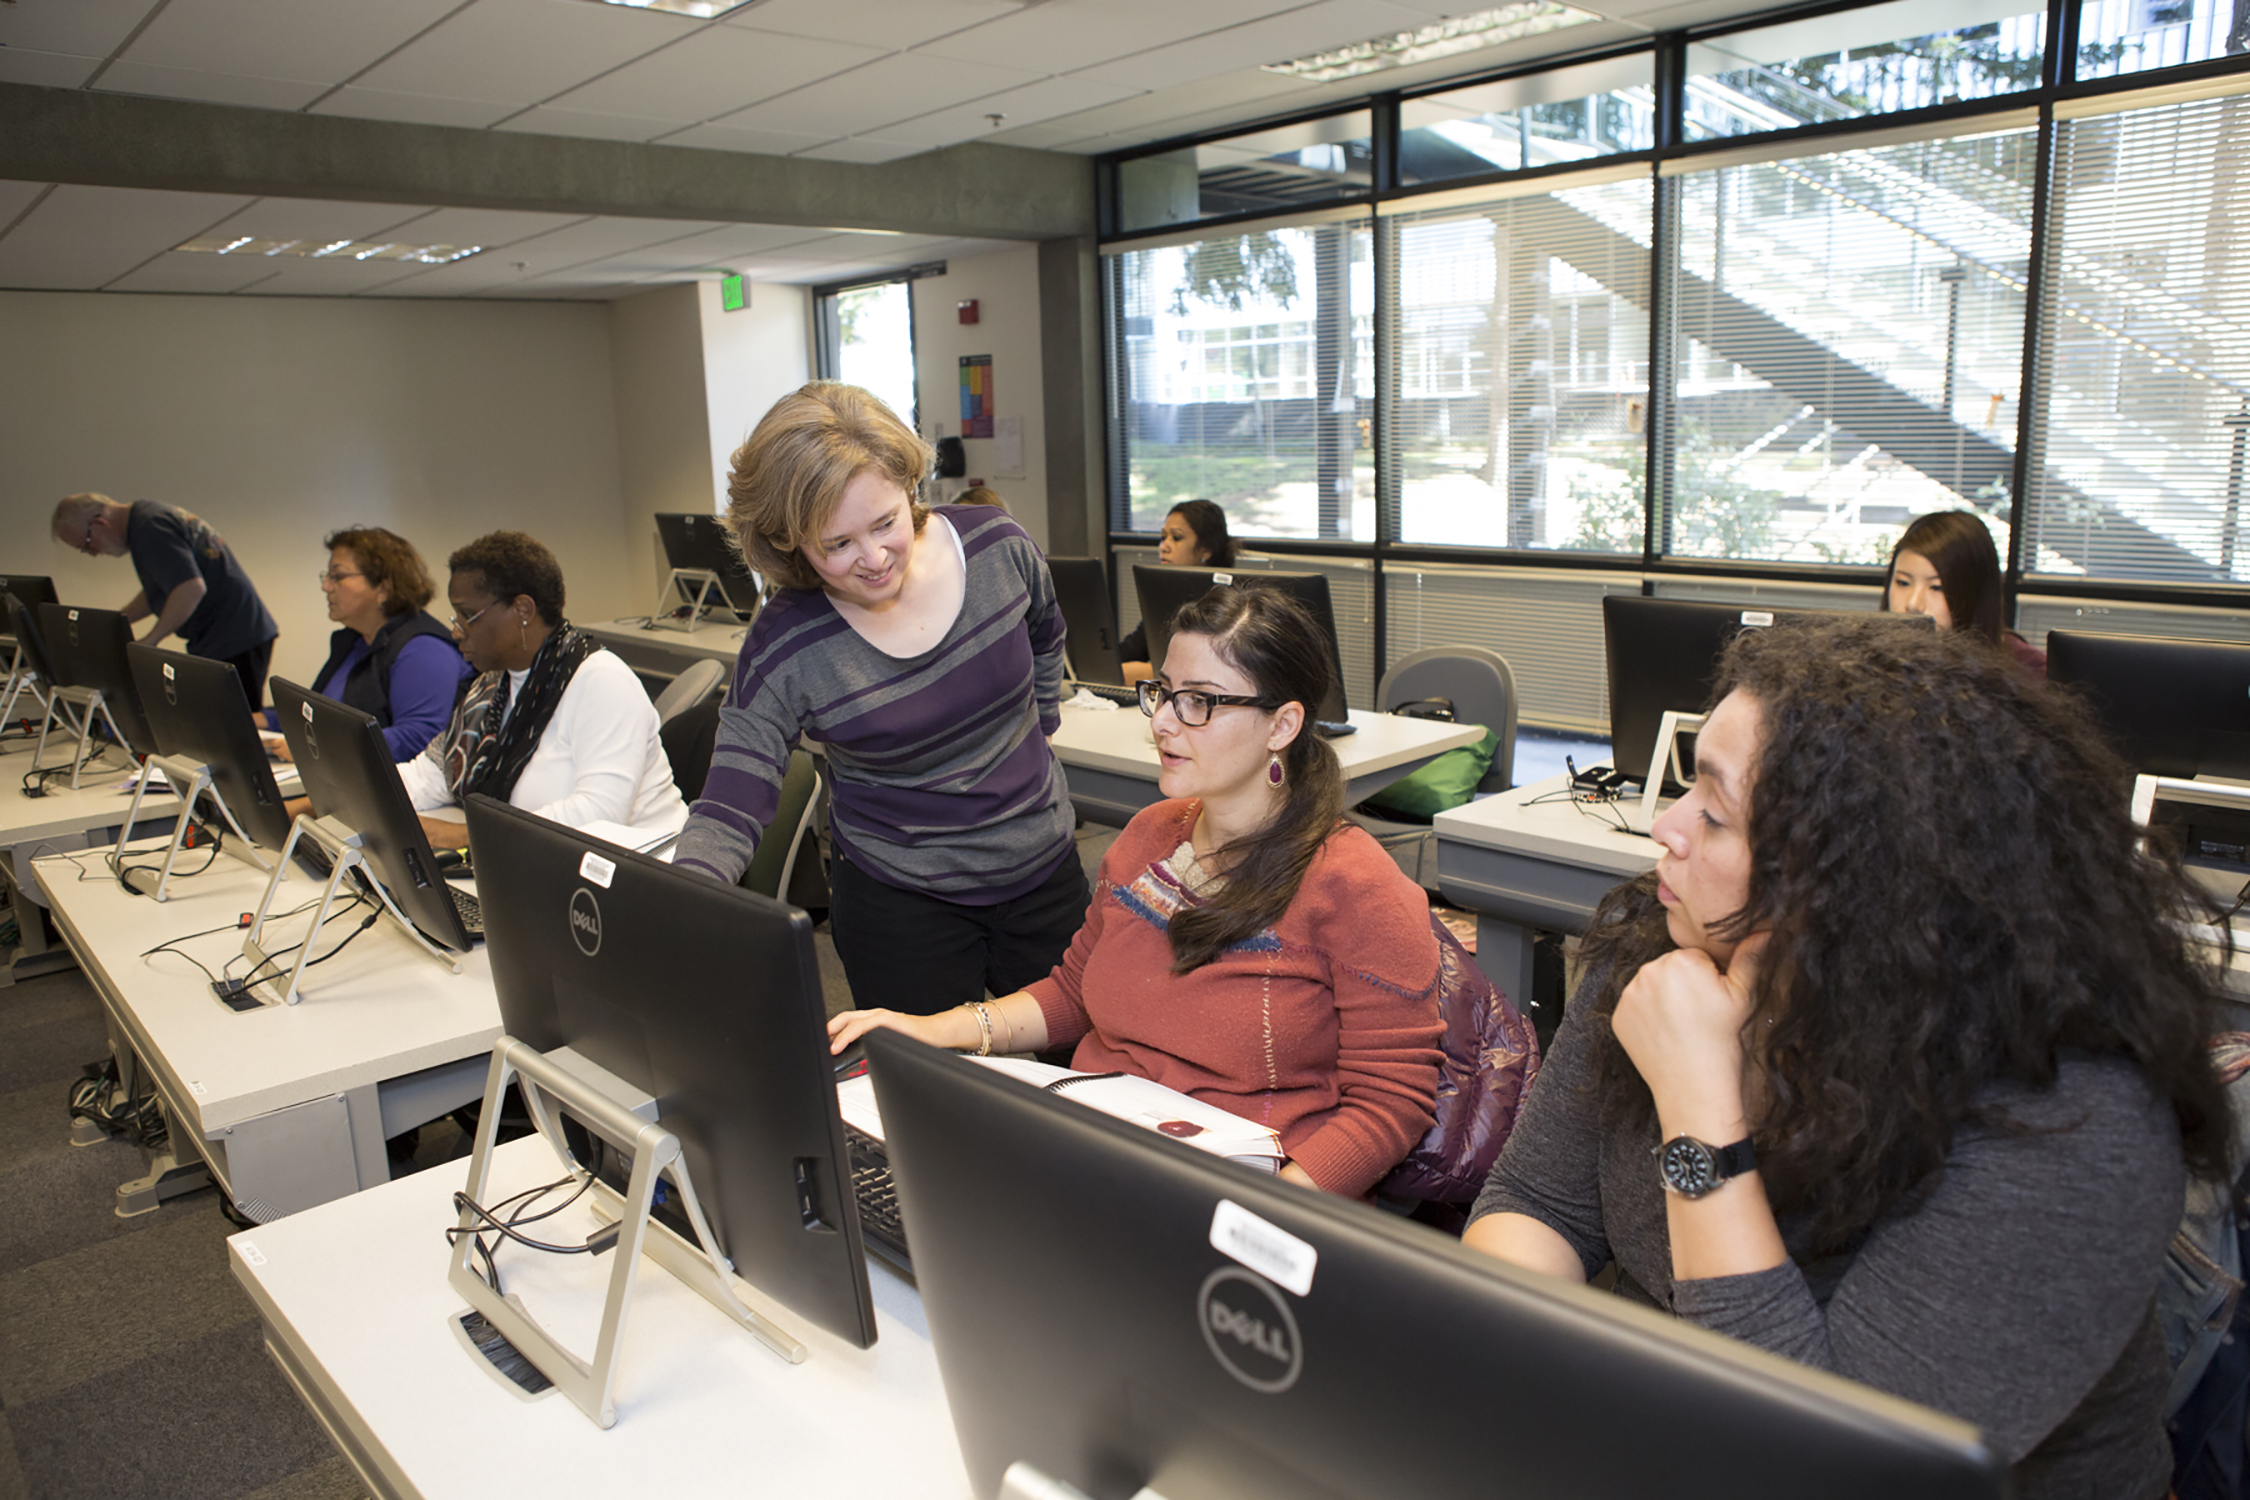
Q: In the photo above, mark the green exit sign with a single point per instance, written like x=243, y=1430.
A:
x=734, y=293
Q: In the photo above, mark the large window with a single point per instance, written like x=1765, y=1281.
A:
x=1244, y=373
x=2145, y=375
x=1520, y=370
x=866, y=338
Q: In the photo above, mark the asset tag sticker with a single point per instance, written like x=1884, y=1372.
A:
x=195, y=1089
x=1757, y=618
x=1268, y=1249
x=251, y=1254
x=597, y=869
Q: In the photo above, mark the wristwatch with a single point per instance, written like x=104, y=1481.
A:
x=1691, y=1168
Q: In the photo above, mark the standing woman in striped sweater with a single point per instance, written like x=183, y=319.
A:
x=923, y=649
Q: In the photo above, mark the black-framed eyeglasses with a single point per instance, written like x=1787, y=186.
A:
x=87, y=546
x=1190, y=706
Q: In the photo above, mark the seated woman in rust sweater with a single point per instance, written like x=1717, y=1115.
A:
x=1245, y=945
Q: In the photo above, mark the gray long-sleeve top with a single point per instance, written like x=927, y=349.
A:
x=2018, y=1296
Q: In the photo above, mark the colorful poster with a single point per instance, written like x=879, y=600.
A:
x=976, y=395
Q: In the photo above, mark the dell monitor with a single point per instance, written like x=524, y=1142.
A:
x=700, y=543
x=1164, y=590
x=2171, y=708
x=196, y=708
x=1664, y=656
x=1116, y=1310
x=707, y=997
x=349, y=776
x=86, y=647
x=33, y=589
x=1082, y=589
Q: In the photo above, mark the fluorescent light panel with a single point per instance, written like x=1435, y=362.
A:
x=702, y=10
x=1448, y=38
x=428, y=255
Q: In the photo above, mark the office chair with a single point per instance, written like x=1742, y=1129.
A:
x=688, y=689
x=1482, y=689
x=775, y=863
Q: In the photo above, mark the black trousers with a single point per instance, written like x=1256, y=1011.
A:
x=906, y=951
x=252, y=666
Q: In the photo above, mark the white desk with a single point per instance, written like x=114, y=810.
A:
x=664, y=652
x=60, y=822
x=288, y=1105
x=1522, y=864
x=1110, y=756
x=356, y=1310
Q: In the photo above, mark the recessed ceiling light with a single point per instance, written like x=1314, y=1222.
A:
x=428, y=255
x=1447, y=38
x=700, y=9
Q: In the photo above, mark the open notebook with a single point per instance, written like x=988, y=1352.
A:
x=1149, y=1105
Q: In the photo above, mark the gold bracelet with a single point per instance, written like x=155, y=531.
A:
x=1009, y=1045
x=984, y=1025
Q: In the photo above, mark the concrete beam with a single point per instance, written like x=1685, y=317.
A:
x=124, y=140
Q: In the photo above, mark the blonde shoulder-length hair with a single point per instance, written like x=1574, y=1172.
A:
x=787, y=480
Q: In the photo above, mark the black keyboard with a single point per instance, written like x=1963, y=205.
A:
x=879, y=1222
x=471, y=914
x=1123, y=697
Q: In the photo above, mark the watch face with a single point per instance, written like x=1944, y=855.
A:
x=1688, y=1166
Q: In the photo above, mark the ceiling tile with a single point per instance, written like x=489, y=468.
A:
x=413, y=109
x=1237, y=91
x=86, y=28
x=15, y=197
x=208, y=88
x=85, y=236
x=895, y=23
x=863, y=149
x=740, y=138
x=325, y=41
x=1062, y=36
x=590, y=240
x=717, y=247
x=489, y=227
x=53, y=70
x=210, y=275
x=1033, y=102
x=896, y=88
x=715, y=72
x=317, y=218
x=328, y=278
x=1332, y=23
x=546, y=119
x=481, y=53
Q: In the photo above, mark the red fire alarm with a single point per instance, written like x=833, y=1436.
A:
x=968, y=310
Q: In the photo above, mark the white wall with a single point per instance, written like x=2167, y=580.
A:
x=1006, y=287
x=751, y=359
x=280, y=419
x=663, y=437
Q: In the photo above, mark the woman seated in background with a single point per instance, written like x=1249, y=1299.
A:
x=1946, y=567
x=391, y=658
x=1896, y=1065
x=553, y=724
x=1195, y=536
x=1245, y=945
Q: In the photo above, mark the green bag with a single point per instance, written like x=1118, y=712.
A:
x=1448, y=781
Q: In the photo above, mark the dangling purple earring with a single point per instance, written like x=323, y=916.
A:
x=1273, y=772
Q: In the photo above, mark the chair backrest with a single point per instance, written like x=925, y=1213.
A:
x=689, y=739
x=688, y=689
x=770, y=867
x=1483, y=691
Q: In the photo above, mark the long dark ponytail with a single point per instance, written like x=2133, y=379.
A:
x=1270, y=638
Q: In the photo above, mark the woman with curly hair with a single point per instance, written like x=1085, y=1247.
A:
x=1896, y=1065
x=553, y=723
x=1946, y=567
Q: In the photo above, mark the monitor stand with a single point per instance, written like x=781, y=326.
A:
x=342, y=846
x=699, y=590
x=1664, y=762
x=90, y=702
x=626, y=1117
x=190, y=779
x=21, y=680
x=1025, y=1481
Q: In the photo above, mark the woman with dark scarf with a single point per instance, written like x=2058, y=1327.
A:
x=553, y=724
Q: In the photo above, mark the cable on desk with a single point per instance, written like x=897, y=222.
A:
x=274, y=959
x=599, y=1241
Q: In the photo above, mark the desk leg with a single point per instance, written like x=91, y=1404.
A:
x=168, y=1175
x=1504, y=952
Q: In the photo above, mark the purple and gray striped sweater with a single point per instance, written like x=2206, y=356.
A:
x=944, y=783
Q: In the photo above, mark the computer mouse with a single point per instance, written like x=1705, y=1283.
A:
x=449, y=860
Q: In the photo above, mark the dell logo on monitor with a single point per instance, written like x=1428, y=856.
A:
x=585, y=922
x=1250, y=1330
